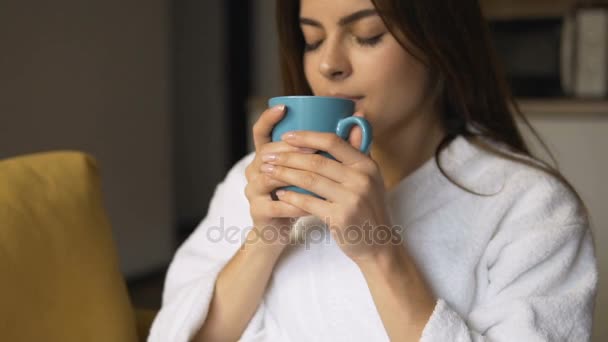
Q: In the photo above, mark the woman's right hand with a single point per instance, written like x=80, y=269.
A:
x=272, y=219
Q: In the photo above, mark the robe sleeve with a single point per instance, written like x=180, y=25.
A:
x=540, y=272
x=191, y=276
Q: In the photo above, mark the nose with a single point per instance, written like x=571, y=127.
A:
x=334, y=63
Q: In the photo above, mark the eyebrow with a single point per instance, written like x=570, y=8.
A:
x=344, y=20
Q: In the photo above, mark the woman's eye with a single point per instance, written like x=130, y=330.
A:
x=313, y=46
x=361, y=41
x=370, y=41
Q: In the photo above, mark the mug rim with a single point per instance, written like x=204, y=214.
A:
x=295, y=97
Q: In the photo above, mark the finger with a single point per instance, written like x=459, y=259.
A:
x=311, y=181
x=310, y=204
x=258, y=185
x=262, y=128
x=281, y=146
x=270, y=148
x=316, y=163
x=356, y=134
x=266, y=208
x=340, y=149
x=263, y=184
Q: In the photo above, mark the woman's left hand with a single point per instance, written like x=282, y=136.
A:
x=354, y=209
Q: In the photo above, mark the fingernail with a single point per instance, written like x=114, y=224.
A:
x=288, y=135
x=280, y=193
x=269, y=157
x=279, y=108
x=267, y=168
x=307, y=150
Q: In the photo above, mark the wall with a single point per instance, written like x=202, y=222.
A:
x=200, y=142
x=94, y=76
x=265, y=64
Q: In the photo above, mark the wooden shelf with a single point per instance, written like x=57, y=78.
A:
x=501, y=9
x=570, y=107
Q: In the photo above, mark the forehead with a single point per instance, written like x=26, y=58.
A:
x=332, y=8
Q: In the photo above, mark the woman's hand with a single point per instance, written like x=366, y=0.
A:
x=354, y=209
x=271, y=219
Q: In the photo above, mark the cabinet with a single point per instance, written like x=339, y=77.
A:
x=573, y=108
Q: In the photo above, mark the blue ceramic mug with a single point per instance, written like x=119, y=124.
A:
x=321, y=114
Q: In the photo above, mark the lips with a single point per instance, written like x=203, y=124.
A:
x=349, y=97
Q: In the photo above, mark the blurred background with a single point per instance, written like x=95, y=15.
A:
x=164, y=93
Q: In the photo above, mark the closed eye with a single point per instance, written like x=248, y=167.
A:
x=312, y=47
x=372, y=41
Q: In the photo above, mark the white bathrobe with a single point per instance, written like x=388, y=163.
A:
x=518, y=265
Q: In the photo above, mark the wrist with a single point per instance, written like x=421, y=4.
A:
x=394, y=273
x=387, y=260
x=271, y=245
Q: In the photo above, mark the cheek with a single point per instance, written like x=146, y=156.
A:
x=398, y=72
x=398, y=83
x=312, y=75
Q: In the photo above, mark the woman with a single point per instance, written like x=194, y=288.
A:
x=449, y=230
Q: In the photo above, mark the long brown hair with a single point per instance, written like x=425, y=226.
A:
x=452, y=39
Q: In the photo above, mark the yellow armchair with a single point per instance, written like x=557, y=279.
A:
x=59, y=274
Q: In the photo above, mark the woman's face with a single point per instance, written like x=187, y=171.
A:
x=350, y=53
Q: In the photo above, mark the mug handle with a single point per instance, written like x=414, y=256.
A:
x=345, y=125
